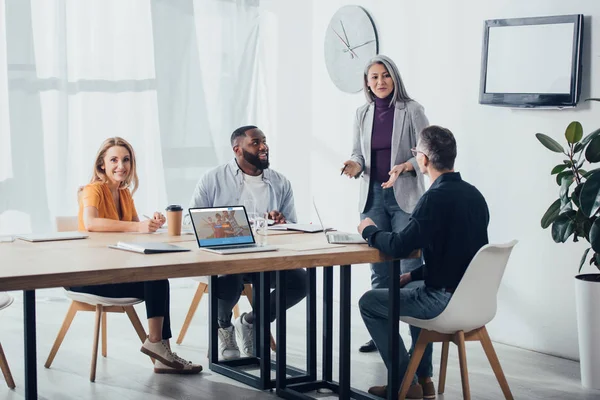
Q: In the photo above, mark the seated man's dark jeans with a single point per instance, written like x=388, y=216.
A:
x=230, y=288
x=416, y=301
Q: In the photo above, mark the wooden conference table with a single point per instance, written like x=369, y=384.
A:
x=30, y=266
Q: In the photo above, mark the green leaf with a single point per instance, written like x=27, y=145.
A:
x=574, y=132
x=576, y=193
x=550, y=214
x=595, y=235
x=564, y=174
x=589, y=198
x=549, y=143
x=587, y=139
x=587, y=174
x=585, y=253
x=592, y=152
x=582, y=172
x=558, y=168
x=566, y=182
x=583, y=225
x=563, y=226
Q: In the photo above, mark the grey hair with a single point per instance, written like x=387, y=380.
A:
x=399, y=93
x=439, y=145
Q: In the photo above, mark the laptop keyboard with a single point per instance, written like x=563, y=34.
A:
x=340, y=237
x=242, y=246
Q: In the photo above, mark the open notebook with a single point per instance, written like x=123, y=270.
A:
x=148, y=248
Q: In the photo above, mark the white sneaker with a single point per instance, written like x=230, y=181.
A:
x=245, y=333
x=228, y=347
x=166, y=361
x=188, y=367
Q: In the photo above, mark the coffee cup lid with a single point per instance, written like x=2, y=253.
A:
x=174, y=207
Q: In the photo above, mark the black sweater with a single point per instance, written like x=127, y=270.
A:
x=449, y=223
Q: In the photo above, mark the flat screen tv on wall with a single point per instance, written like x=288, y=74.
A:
x=532, y=62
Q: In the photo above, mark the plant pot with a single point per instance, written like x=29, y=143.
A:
x=587, y=295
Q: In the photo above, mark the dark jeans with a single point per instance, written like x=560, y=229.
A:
x=416, y=301
x=383, y=209
x=230, y=288
x=154, y=293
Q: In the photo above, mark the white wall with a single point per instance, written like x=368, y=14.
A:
x=437, y=46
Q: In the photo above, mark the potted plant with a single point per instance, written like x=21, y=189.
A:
x=575, y=214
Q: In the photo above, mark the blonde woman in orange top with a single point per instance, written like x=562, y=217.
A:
x=106, y=205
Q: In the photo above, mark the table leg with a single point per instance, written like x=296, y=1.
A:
x=311, y=329
x=281, y=377
x=213, y=324
x=327, y=324
x=30, y=344
x=345, y=282
x=263, y=345
x=394, y=327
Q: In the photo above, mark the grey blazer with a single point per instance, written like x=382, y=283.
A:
x=409, y=121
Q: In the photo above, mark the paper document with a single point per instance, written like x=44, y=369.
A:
x=309, y=246
x=148, y=248
x=310, y=228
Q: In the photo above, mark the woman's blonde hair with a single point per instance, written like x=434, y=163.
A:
x=99, y=174
x=400, y=93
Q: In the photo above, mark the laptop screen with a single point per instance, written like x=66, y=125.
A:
x=221, y=226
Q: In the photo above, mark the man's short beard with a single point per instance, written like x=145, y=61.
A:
x=255, y=160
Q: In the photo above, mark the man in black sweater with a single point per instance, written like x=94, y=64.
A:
x=450, y=225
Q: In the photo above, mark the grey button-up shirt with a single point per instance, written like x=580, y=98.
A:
x=222, y=187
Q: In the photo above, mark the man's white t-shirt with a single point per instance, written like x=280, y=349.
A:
x=257, y=190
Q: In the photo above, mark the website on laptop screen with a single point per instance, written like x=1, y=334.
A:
x=221, y=226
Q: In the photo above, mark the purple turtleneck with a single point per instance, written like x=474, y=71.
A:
x=381, y=139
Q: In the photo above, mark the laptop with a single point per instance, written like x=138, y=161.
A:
x=48, y=237
x=224, y=230
x=338, y=237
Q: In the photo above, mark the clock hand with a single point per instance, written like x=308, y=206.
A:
x=360, y=45
x=344, y=30
x=353, y=54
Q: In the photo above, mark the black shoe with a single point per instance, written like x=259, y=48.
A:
x=368, y=347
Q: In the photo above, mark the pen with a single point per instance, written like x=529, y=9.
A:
x=147, y=217
x=343, y=169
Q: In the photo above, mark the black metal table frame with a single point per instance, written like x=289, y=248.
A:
x=287, y=388
x=237, y=368
x=300, y=381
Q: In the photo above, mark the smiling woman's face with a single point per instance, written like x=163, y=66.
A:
x=117, y=164
x=380, y=81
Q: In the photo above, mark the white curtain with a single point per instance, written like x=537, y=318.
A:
x=172, y=77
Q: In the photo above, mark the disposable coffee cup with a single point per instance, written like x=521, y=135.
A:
x=174, y=215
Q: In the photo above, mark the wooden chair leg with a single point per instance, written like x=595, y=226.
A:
x=137, y=325
x=488, y=347
x=6, y=370
x=443, y=367
x=462, y=357
x=236, y=311
x=415, y=359
x=135, y=321
x=202, y=288
x=61, y=333
x=96, y=340
x=104, y=343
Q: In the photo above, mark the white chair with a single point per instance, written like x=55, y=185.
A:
x=5, y=301
x=203, y=288
x=98, y=304
x=471, y=307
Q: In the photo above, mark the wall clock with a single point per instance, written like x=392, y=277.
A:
x=350, y=41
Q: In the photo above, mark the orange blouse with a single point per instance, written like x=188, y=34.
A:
x=98, y=195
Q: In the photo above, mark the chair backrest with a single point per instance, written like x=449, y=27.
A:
x=67, y=224
x=473, y=303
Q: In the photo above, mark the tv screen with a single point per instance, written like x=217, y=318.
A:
x=532, y=62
